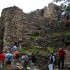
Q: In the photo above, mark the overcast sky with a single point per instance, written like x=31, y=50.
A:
x=26, y=5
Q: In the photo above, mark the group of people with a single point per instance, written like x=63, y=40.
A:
x=60, y=57
x=28, y=60
x=5, y=59
x=7, y=56
x=11, y=56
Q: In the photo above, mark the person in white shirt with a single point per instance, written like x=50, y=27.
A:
x=63, y=14
x=50, y=66
x=14, y=48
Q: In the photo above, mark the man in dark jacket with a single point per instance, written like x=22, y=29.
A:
x=33, y=60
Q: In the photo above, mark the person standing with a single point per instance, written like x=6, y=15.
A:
x=33, y=60
x=2, y=59
x=50, y=66
x=16, y=54
x=9, y=58
x=26, y=62
x=63, y=14
x=52, y=57
x=23, y=57
x=15, y=57
x=61, y=56
x=14, y=48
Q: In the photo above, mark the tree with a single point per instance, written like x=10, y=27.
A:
x=68, y=8
x=65, y=5
x=61, y=0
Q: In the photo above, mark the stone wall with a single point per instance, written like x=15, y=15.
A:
x=30, y=29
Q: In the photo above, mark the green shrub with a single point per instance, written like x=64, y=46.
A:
x=67, y=33
x=51, y=49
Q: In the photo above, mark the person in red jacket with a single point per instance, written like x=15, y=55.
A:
x=16, y=54
x=61, y=54
x=2, y=58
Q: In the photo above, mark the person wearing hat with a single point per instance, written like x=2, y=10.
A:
x=61, y=55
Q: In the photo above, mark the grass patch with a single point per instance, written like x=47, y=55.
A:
x=55, y=34
x=67, y=33
x=51, y=49
x=37, y=50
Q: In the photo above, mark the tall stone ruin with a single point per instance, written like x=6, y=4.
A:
x=12, y=17
x=51, y=11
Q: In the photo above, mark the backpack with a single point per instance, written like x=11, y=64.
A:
x=52, y=58
x=23, y=57
x=9, y=58
x=16, y=54
x=26, y=58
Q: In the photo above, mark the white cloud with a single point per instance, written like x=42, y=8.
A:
x=26, y=5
